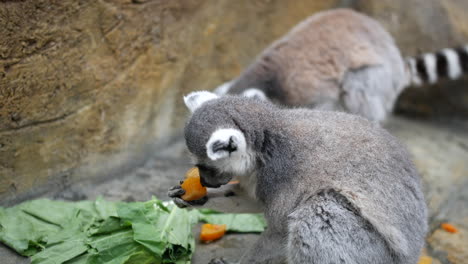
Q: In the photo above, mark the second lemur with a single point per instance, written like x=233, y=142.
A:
x=341, y=60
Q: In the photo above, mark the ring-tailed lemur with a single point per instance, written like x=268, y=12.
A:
x=336, y=188
x=341, y=60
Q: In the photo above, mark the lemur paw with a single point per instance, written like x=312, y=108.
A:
x=176, y=192
x=218, y=261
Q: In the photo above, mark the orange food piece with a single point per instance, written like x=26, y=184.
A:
x=425, y=260
x=211, y=232
x=192, y=186
x=449, y=228
x=193, y=173
x=234, y=182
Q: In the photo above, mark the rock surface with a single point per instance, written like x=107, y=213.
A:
x=88, y=88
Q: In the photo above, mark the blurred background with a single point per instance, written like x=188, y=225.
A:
x=91, y=93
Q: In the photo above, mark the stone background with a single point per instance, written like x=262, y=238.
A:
x=89, y=88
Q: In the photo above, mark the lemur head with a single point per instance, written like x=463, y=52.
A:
x=221, y=135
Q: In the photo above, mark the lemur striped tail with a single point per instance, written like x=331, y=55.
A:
x=430, y=67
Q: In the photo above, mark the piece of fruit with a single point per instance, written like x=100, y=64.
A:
x=193, y=173
x=449, y=228
x=211, y=232
x=425, y=260
x=192, y=186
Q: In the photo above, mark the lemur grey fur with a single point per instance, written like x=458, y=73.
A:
x=336, y=188
x=341, y=60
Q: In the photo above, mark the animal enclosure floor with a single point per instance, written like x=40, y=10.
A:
x=440, y=152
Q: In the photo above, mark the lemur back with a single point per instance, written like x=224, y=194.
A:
x=341, y=60
x=336, y=188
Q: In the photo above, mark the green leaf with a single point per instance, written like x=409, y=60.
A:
x=81, y=259
x=105, y=209
x=61, y=252
x=148, y=236
x=105, y=242
x=243, y=223
x=109, y=225
x=92, y=232
x=24, y=233
x=164, y=231
x=55, y=212
x=178, y=227
x=118, y=248
x=142, y=256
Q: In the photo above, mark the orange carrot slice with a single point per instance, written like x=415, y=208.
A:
x=449, y=228
x=192, y=173
x=192, y=186
x=425, y=260
x=211, y=232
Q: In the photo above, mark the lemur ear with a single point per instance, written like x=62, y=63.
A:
x=224, y=142
x=255, y=93
x=223, y=88
x=195, y=99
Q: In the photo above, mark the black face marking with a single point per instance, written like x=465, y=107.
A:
x=421, y=69
x=442, y=64
x=208, y=176
x=463, y=58
x=230, y=146
x=212, y=177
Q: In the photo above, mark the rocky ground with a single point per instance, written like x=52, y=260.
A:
x=440, y=152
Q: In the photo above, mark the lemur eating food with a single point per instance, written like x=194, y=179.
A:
x=341, y=60
x=335, y=187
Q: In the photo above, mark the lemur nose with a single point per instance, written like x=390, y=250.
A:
x=205, y=184
x=202, y=181
x=229, y=146
x=232, y=146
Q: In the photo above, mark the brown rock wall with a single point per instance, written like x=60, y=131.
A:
x=87, y=88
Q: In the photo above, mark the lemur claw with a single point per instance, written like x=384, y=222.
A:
x=176, y=191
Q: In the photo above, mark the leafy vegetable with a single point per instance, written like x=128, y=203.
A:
x=92, y=232
x=61, y=252
x=242, y=223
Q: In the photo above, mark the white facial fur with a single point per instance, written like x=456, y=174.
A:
x=239, y=161
x=255, y=93
x=195, y=99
